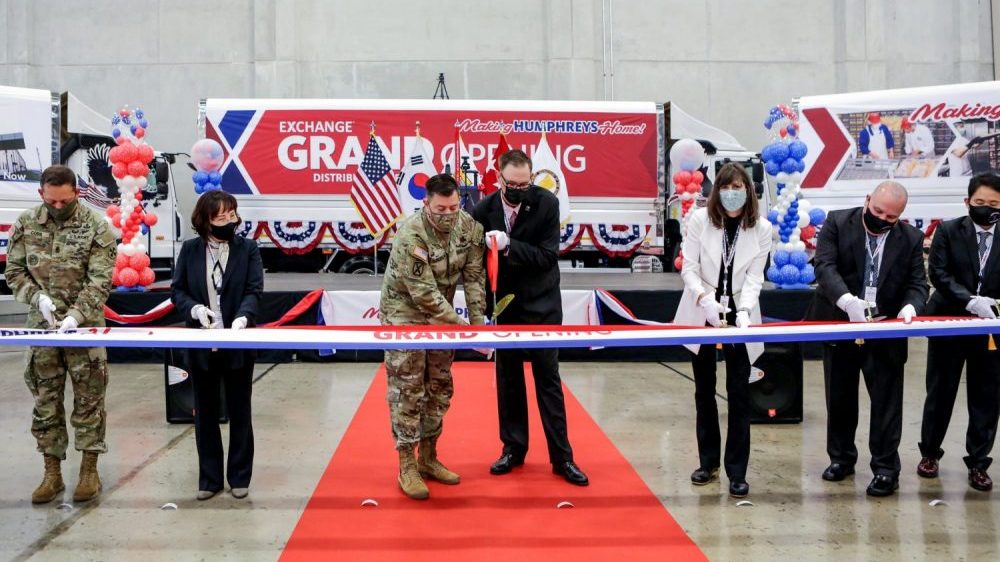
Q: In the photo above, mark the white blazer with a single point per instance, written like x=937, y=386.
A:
x=702, y=248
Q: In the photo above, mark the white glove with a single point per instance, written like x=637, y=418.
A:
x=978, y=305
x=203, y=314
x=68, y=323
x=907, y=313
x=501, y=238
x=239, y=323
x=742, y=319
x=855, y=308
x=46, y=307
x=712, y=310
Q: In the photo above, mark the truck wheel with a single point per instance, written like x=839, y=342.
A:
x=363, y=265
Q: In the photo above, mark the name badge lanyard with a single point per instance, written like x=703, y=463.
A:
x=871, y=285
x=728, y=255
x=982, y=270
x=217, y=284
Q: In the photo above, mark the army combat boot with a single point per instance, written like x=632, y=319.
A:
x=430, y=466
x=52, y=482
x=409, y=479
x=90, y=483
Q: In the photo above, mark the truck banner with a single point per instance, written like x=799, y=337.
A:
x=932, y=137
x=312, y=147
x=26, y=142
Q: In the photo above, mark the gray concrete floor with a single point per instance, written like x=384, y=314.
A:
x=302, y=410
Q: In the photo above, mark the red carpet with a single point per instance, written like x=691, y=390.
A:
x=510, y=517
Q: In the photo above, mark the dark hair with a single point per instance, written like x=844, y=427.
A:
x=57, y=175
x=514, y=157
x=441, y=184
x=989, y=180
x=727, y=174
x=208, y=206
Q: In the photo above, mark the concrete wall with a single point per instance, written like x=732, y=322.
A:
x=724, y=61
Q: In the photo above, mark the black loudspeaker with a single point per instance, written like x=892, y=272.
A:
x=776, y=397
x=179, y=390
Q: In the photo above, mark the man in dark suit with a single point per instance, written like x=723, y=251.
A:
x=523, y=221
x=965, y=269
x=868, y=265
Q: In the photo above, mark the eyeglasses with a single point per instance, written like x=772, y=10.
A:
x=510, y=185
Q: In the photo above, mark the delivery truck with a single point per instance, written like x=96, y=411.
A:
x=39, y=128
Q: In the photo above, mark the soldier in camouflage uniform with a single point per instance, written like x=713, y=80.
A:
x=432, y=250
x=60, y=260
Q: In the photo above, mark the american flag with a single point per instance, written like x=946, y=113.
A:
x=374, y=192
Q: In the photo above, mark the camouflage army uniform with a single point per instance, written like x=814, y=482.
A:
x=72, y=263
x=419, y=288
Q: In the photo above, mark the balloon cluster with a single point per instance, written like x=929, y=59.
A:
x=207, y=156
x=130, y=161
x=785, y=118
x=686, y=156
x=793, y=219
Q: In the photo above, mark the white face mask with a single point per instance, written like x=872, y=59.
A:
x=733, y=199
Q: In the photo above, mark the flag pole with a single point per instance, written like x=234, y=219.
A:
x=375, y=236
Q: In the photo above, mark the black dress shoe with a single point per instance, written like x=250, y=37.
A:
x=883, y=485
x=703, y=476
x=837, y=472
x=505, y=463
x=571, y=473
x=739, y=488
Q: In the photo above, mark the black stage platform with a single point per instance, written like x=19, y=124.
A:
x=650, y=296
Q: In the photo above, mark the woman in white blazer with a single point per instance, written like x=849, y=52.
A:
x=725, y=250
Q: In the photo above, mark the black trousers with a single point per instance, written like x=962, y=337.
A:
x=945, y=359
x=237, y=383
x=738, y=391
x=881, y=362
x=512, y=401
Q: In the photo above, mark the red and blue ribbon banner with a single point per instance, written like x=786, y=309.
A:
x=354, y=238
x=489, y=337
x=250, y=229
x=296, y=237
x=618, y=240
x=570, y=237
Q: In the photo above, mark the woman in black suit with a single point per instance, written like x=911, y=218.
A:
x=218, y=280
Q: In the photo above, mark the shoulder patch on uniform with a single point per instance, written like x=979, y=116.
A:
x=418, y=269
x=420, y=253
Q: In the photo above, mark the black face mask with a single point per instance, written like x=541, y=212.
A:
x=984, y=215
x=875, y=224
x=225, y=232
x=515, y=196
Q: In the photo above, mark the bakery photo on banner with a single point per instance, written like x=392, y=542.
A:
x=930, y=137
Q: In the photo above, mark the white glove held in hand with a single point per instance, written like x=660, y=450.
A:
x=856, y=309
x=239, y=323
x=501, y=238
x=712, y=310
x=203, y=314
x=68, y=323
x=907, y=313
x=46, y=307
x=742, y=319
x=978, y=305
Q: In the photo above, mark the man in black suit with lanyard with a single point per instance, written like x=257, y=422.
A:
x=868, y=266
x=965, y=270
x=523, y=221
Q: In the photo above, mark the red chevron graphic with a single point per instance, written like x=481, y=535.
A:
x=835, y=145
